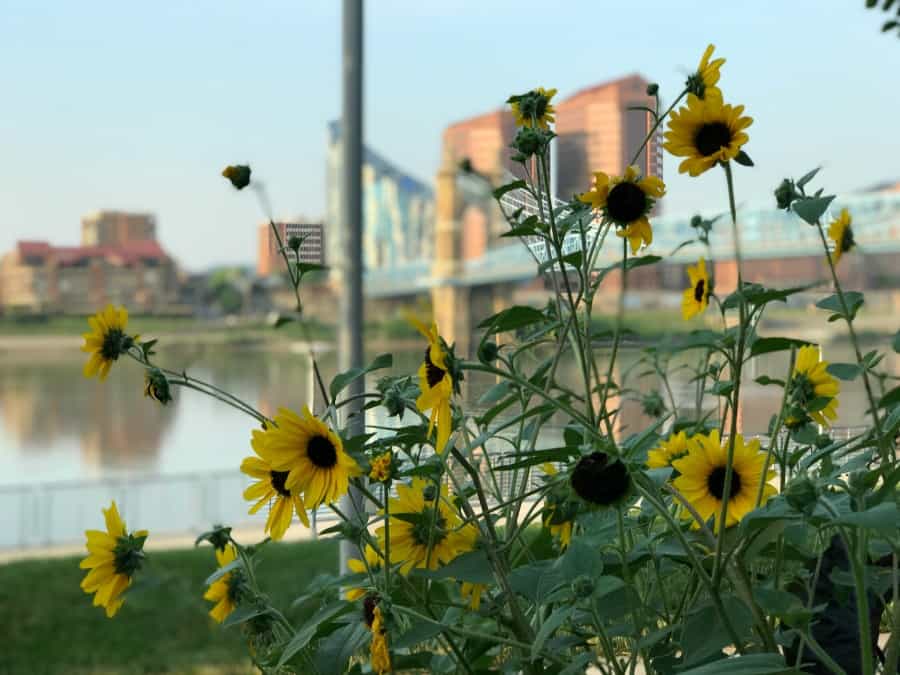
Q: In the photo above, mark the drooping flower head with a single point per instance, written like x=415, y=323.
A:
x=705, y=132
x=226, y=590
x=533, y=109
x=627, y=201
x=372, y=565
x=113, y=559
x=841, y=234
x=310, y=452
x=379, y=654
x=601, y=479
x=695, y=299
x=438, y=380
x=238, y=175
x=674, y=447
x=703, y=472
x=426, y=530
x=107, y=340
x=271, y=489
x=156, y=386
x=813, y=391
x=703, y=81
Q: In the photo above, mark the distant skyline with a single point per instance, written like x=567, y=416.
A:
x=139, y=107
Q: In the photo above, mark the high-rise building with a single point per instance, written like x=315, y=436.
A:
x=111, y=228
x=599, y=130
x=398, y=211
x=312, y=245
x=484, y=141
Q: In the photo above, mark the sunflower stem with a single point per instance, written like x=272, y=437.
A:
x=617, y=337
x=773, y=439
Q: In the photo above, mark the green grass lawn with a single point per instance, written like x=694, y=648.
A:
x=49, y=625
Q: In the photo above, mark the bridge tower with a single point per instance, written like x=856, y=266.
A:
x=449, y=298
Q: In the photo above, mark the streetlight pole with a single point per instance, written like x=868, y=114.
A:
x=351, y=345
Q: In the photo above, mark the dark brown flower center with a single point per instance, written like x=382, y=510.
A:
x=278, y=482
x=712, y=137
x=433, y=373
x=626, y=203
x=600, y=479
x=370, y=602
x=321, y=452
x=698, y=290
x=847, y=241
x=715, y=482
x=112, y=344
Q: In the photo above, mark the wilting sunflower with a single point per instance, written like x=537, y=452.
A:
x=702, y=479
x=271, y=489
x=379, y=654
x=706, y=131
x=674, y=447
x=626, y=201
x=813, y=390
x=371, y=565
x=107, y=340
x=534, y=108
x=472, y=593
x=226, y=590
x=841, y=234
x=696, y=298
x=436, y=383
x=113, y=559
x=601, y=479
x=412, y=534
x=704, y=80
x=310, y=452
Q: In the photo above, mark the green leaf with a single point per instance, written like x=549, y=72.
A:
x=723, y=388
x=832, y=303
x=308, y=631
x=472, y=567
x=517, y=316
x=808, y=177
x=281, y=320
x=750, y=664
x=743, y=159
x=774, y=344
x=536, y=581
x=811, y=209
x=242, y=614
x=341, y=380
x=304, y=267
x=496, y=393
x=883, y=518
x=335, y=651
x=890, y=398
x=844, y=371
x=551, y=623
x=509, y=187
x=420, y=632
x=222, y=571
x=896, y=342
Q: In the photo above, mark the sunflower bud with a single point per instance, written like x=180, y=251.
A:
x=156, y=386
x=239, y=175
x=802, y=494
x=487, y=351
x=786, y=194
x=653, y=405
x=652, y=89
x=583, y=586
x=219, y=537
x=294, y=243
x=530, y=141
x=429, y=493
x=601, y=479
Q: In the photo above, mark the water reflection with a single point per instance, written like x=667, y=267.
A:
x=56, y=425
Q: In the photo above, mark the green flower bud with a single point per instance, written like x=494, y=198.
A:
x=802, y=494
x=239, y=175
x=487, y=351
x=583, y=586
x=653, y=405
x=601, y=479
x=786, y=194
x=652, y=89
x=156, y=386
x=530, y=141
x=294, y=243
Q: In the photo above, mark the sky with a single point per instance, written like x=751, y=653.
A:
x=138, y=106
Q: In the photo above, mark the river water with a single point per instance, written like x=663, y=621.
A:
x=67, y=442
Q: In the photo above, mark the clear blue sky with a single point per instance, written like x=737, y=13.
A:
x=132, y=105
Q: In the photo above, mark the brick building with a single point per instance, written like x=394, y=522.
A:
x=110, y=228
x=268, y=257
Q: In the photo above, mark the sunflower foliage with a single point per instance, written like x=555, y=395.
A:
x=529, y=532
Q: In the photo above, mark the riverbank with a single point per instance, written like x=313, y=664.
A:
x=162, y=628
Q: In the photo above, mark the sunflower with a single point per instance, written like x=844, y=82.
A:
x=310, y=452
x=704, y=80
x=706, y=131
x=113, y=558
x=696, y=298
x=601, y=479
x=371, y=565
x=412, y=515
x=674, y=447
x=271, y=486
x=380, y=470
x=626, y=201
x=225, y=591
x=472, y=593
x=107, y=340
x=702, y=479
x=558, y=514
x=841, y=234
x=379, y=654
x=437, y=384
x=813, y=390
x=534, y=108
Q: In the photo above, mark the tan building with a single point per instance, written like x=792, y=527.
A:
x=312, y=247
x=483, y=140
x=598, y=132
x=38, y=277
x=109, y=228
